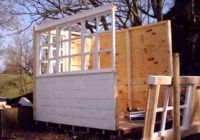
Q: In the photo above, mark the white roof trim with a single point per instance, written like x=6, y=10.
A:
x=88, y=13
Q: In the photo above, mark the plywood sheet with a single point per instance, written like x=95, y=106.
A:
x=151, y=55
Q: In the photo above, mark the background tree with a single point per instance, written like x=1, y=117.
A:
x=185, y=17
x=18, y=61
x=183, y=13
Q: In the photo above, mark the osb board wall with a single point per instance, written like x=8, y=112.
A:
x=151, y=55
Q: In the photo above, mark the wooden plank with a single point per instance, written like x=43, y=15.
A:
x=160, y=80
x=190, y=80
x=150, y=115
x=187, y=114
x=101, y=10
x=168, y=134
x=81, y=100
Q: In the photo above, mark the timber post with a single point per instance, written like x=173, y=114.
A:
x=176, y=96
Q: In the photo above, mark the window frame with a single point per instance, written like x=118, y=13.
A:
x=95, y=13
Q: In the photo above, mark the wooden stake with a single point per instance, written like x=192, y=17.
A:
x=176, y=96
x=1, y=123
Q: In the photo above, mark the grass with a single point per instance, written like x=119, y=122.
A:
x=10, y=85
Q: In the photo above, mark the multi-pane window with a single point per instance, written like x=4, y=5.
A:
x=77, y=45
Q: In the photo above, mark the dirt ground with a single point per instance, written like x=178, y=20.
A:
x=36, y=133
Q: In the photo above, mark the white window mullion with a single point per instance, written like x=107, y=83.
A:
x=48, y=64
x=69, y=48
x=82, y=45
x=57, y=49
x=38, y=53
x=97, y=45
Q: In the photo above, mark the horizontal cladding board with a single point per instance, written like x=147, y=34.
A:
x=106, y=114
x=80, y=121
x=82, y=100
x=86, y=103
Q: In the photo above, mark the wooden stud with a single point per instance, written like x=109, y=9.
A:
x=129, y=63
x=113, y=41
x=187, y=114
x=176, y=96
x=82, y=45
x=2, y=123
x=97, y=46
x=150, y=115
x=164, y=113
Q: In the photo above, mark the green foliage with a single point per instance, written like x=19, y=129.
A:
x=10, y=85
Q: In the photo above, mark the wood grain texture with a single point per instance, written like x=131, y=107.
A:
x=151, y=55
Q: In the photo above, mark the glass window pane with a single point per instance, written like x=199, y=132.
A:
x=89, y=62
x=64, y=48
x=53, y=52
x=76, y=46
x=43, y=39
x=105, y=59
x=52, y=66
x=64, y=33
x=44, y=53
x=89, y=44
x=105, y=41
x=52, y=36
x=75, y=63
x=43, y=67
x=76, y=27
x=90, y=26
x=63, y=65
x=105, y=23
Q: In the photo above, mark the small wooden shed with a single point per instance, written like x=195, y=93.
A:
x=89, y=77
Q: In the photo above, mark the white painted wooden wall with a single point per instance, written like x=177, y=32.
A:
x=82, y=100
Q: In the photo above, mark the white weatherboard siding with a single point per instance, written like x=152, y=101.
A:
x=82, y=100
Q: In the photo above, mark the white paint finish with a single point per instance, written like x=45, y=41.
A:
x=101, y=10
x=83, y=100
x=159, y=80
x=187, y=114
